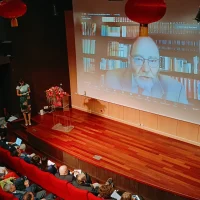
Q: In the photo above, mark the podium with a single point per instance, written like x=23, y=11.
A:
x=62, y=118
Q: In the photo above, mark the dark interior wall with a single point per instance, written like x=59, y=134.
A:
x=39, y=52
x=5, y=100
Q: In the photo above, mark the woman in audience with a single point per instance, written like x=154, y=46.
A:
x=105, y=191
x=36, y=160
x=47, y=168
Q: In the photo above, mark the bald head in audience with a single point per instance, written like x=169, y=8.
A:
x=63, y=170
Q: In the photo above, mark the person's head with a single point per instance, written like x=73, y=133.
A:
x=44, y=162
x=63, y=170
x=35, y=160
x=22, y=147
x=16, y=153
x=144, y=60
x=81, y=178
x=126, y=196
x=28, y=196
x=9, y=187
x=105, y=191
x=3, y=133
x=21, y=82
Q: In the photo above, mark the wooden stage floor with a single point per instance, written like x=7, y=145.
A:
x=143, y=162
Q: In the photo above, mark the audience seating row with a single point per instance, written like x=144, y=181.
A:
x=46, y=180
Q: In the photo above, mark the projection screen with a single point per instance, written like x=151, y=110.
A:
x=158, y=74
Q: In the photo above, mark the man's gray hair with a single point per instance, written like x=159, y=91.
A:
x=7, y=187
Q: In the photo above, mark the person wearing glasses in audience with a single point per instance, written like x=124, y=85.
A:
x=142, y=76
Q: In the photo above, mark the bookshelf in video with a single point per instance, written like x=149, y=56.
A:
x=107, y=39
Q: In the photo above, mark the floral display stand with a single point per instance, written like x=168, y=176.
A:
x=62, y=119
x=59, y=101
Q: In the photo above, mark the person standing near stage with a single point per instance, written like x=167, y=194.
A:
x=23, y=91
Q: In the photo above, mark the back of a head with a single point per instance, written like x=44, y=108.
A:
x=7, y=187
x=44, y=160
x=126, y=196
x=105, y=191
x=28, y=196
x=63, y=170
x=22, y=147
x=15, y=153
x=35, y=160
x=81, y=178
x=3, y=132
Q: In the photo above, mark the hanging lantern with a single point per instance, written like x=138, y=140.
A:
x=12, y=9
x=145, y=12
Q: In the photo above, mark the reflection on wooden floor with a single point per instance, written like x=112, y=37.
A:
x=142, y=159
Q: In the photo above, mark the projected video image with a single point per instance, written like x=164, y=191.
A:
x=114, y=64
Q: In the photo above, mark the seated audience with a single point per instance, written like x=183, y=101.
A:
x=21, y=185
x=17, y=153
x=45, y=166
x=64, y=174
x=5, y=173
x=82, y=183
x=105, y=191
x=30, y=196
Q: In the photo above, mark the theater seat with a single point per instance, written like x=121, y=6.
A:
x=75, y=193
x=3, y=154
x=43, y=179
x=28, y=170
x=13, y=163
x=92, y=197
x=59, y=187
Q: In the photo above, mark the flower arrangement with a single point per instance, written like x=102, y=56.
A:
x=55, y=95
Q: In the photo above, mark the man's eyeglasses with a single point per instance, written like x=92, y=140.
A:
x=139, y=61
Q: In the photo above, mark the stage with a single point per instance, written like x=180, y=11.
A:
x=139, y=161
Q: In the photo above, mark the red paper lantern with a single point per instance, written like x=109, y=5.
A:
x=12, y=9
x=145, y=12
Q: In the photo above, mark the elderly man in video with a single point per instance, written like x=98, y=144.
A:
x=143, y=77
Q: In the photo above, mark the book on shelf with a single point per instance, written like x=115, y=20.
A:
x=88, y=46
x=178, y=45
x=130, y=31
x=118, y=49
x=118, y=19
x=110, y=31
x=111, y=64
x=180, y=64
x=88, y=28
x=191, y=86
x=89, y=64
x=174, y=28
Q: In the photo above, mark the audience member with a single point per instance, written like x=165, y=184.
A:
x=18, y=191
x=36, y=160
x=127, y=196
x=30, y=196
x=24, y=156
x=64, y=174
x=47, y=168
x=105, y=191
